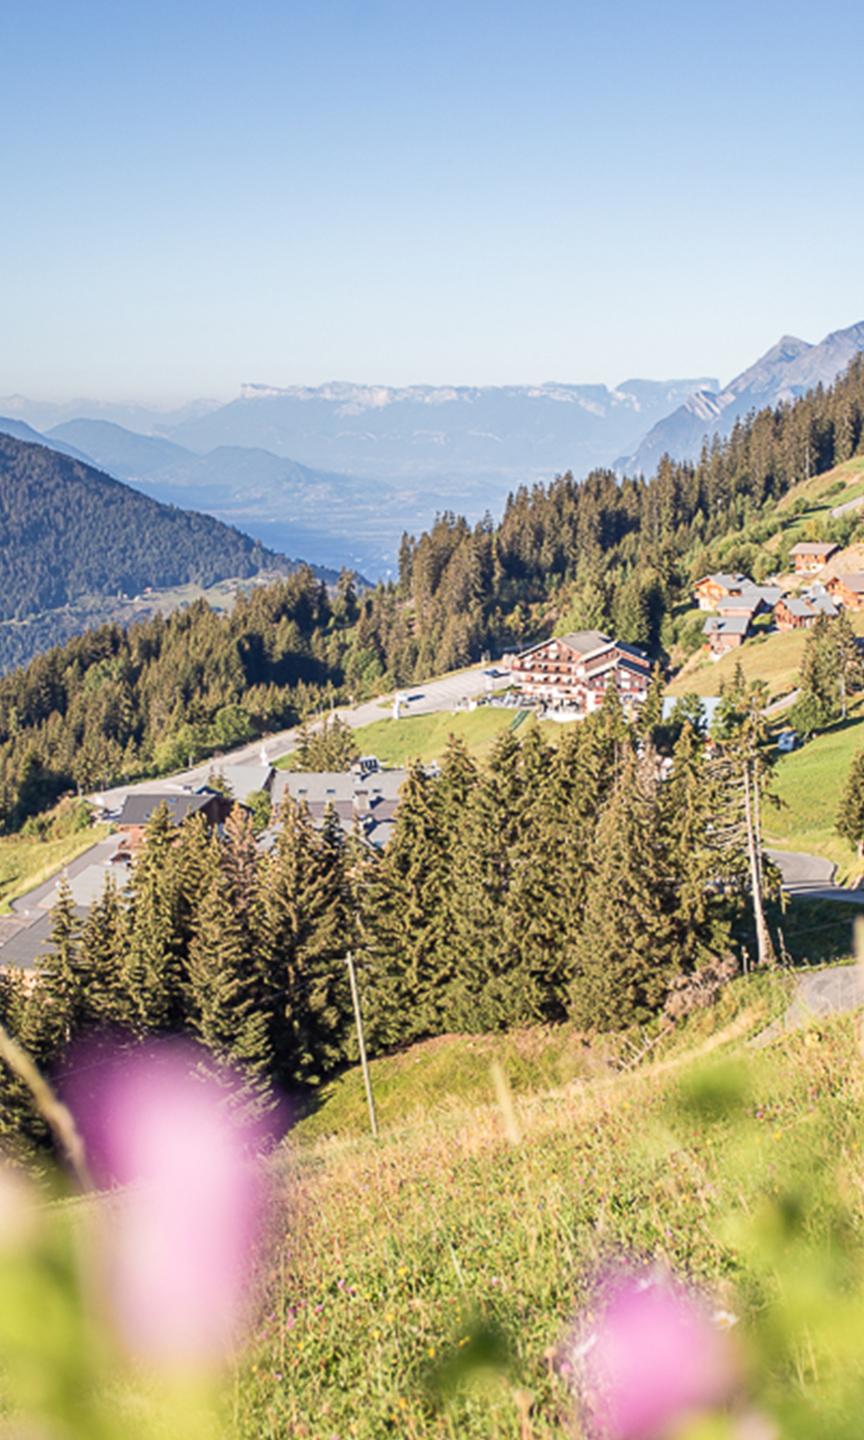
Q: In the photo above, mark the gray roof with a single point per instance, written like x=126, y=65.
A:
x=319, y=787
x=584, y=641
x=138, y=808
x=853, y=581
x=726, y=625
x=243, y=780
x=728, y=582
x=813, y=547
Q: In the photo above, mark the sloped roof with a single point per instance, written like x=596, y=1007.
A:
x=138, y=808
x=853, y=581
x=813, y=547
x=726, y=625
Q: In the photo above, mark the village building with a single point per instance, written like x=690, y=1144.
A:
x=801, y=612
x=752, y=600
x=573, y=672
x=847, y=589
x=360, y=797
x=713, y=590
x=139, y=809
x=810, y=556
x=724, y=633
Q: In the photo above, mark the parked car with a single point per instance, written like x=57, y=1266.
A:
x=787, y=741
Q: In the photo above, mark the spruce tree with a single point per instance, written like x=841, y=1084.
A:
x=850, y=817
x=407, y=959
x=155, y=974
x=301, y=947
x=625, y=956
x=225, y=1001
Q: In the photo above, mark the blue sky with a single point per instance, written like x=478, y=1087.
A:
x=289, y=191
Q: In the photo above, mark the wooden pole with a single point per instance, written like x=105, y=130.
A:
x=361, y=1045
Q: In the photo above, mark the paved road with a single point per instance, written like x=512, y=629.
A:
x=784, y=703
x=812, y=878
x=422, y=699
x=824, y=992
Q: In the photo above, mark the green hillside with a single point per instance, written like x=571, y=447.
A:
x=484, y=1220
x=809, y=783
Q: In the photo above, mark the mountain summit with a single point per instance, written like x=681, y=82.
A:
x=789, y=369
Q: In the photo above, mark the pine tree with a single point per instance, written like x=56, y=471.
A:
x=62, y=974
x=225, y=1008
x=300, y=941
x=850, y=817
x=406, y=958
x=240, y=862
x=155, y=977
x=103, y=936
x=625, y=957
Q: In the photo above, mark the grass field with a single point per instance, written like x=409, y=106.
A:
x=424, y=737
x=401, y=1258
x=809, y=783
x=27, y=862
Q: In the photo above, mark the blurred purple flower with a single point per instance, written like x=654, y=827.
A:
x=651, y=1357
x=180, y=1242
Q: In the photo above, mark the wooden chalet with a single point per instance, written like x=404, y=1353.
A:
x=573, y=672
x=138, y=810
x=809, y=556
x=725, y=632
x=847, y=589
x=801, y=612
x=713, y=590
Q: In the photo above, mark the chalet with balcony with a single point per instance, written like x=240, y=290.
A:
x=810, y=556
x=139, y=808
x=713, y=590
x=573, y=672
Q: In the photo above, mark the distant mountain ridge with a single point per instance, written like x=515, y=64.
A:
x=492, y=436
x=789, y=369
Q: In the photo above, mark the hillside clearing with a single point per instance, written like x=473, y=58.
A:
x=809, y=783
x=397, y=1256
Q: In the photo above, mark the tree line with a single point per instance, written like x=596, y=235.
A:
x=575, y=882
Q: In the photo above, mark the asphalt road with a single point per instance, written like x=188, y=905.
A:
x=812, y=878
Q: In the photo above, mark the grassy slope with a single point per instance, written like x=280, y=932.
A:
x=424, y=737
x=389, y=1249
x=809, y=783
x=772, y=658
x=27, y=862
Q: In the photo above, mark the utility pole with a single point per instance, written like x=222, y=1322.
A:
x=361, y=1045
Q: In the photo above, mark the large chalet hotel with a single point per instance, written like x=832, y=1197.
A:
x=572, y=672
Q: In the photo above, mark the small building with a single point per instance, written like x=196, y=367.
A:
x=801, y=612
x=725, y=632
x=751, y=600
x=573, y=672
x=139, y=808
x=369, y=799
x=809, y=556
x=712, y=590
x=847, y=589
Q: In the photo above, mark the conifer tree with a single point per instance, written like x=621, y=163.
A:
x=155, y=976
x=240, y=862
x=225, y=1008
x=625, y=956
x=103, y=937
x=407, y=961
x=850, y=817
x=62, y=975
x=301, y=948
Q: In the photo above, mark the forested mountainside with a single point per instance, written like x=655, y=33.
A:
x=602, y=552
x=567, y=555
x=68, y=531
x=558, y=881
x=119, y=702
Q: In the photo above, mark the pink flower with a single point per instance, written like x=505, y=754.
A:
x=179, y=1242
x=652, y=1357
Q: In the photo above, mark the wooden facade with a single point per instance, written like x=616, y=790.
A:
x=847, y=589
x=573, y=672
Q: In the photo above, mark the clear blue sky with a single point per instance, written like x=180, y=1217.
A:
x=199, y=194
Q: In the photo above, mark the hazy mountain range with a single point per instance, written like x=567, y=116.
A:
x=336, y=472
x=789, y=369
